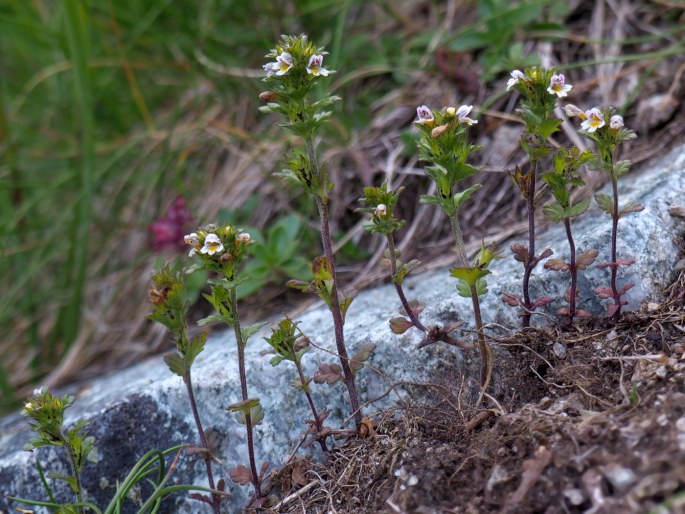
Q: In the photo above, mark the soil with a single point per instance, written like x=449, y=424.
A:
x=592, y=421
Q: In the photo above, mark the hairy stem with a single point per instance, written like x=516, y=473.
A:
x=462, y=259
x=486, y=358
x=528, y=269
x=243, y=390
x=203, y=438
x=573, y=269
x=317, y=419
x=614, y=235
x=71, y=460
x=400, y=292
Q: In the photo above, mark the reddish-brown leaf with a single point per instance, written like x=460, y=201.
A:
x=400, y=325
x=556, y=265
x=542, y=301
x=241, y=475
x=604, y=292
x=586, y=258
x=511, y=300
x=583, y=314
x=416, y=308
x=328, y=373
x=520, y=252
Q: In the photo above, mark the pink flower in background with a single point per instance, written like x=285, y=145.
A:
x=168, y=231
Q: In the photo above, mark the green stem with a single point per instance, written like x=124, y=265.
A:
x=486, y=358
x=243, y=388
x=71, y=460
x=462, y=259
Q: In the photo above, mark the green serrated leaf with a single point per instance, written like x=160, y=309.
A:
x=554, y=212
x=176, y=363
x=215, y=318
x=463, y=196
x=605, y=202
x=73, y=483
x=276, y=360
x=577, y=209
x=469, y=275
x=249, y=331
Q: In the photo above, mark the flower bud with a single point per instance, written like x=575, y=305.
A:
x=381, y=210
x=267, y=96
x=439, y=131
x=616, y=122
x=572, y=111
x=243, y=237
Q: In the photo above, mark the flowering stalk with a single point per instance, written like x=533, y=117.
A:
x=444, y=143
x=297, y=68
x=607, y=131
x=168, y=297
x=384, y=222
x=220, y=250
x=46, y=413
x=539, y=88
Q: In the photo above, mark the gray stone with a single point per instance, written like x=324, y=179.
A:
x=145, y=407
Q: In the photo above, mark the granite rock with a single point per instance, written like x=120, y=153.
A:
x=145, y=407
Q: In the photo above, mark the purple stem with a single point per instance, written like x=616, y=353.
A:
x=573, y=269
x=243, y=389
x=317, y=419
x=400, y=292
x=530, y=263
x=322, y=204
x=203, y=438
x=614, y=232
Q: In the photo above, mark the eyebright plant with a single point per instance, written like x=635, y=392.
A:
x=382, y=204
x=539, y=89
x=606, y=129
x=562, y=181
x=220, y=249
x=46, y=418
x=290, y=344
x=297, y=68
x=443, y=142
x=169, y=299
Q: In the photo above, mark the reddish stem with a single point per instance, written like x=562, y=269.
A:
x=216, y=501
x=322, y=204
x=614, y=232
x=243, y=389
x=400, y=292
x=530, y=263
x=317, y=419
x=573, y=269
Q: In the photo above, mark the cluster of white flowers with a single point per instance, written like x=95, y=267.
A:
x=557, y=84
x=593, y=119
x=284, y=62
x=424, y=115
x=212, y=244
